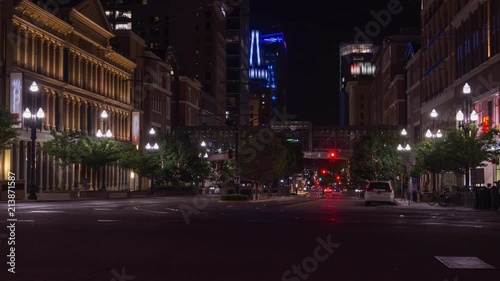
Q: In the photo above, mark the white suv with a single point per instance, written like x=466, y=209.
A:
x=379, y=191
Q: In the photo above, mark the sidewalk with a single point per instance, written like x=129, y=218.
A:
x=425, y=206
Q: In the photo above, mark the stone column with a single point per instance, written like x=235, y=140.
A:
x=59, y=73
x=19, y=33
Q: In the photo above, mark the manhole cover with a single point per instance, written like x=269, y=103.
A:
x=464, y=262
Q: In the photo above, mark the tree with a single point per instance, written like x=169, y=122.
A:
x=467, y=149
x=63, y=147
x=8, y=133
x=266, y=165
x=223, y=171
x=143, y=164
x=181, y=160
x=97, y=153
x=294, y=159
x=375, y=158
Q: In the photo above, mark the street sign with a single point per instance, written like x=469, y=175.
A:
x=218, y=157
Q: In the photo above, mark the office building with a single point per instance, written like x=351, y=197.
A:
x=355, y=65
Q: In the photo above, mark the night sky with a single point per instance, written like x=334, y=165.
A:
x=313, y=30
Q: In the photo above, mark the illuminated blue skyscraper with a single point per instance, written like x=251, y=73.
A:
x=268, y=65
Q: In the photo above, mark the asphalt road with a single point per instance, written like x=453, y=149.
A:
x=190, y=239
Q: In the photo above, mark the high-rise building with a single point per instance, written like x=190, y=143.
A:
x=198, y=34
x=456, y=71
x=355, y=65
x=195, y=29
x=237, y=52
x=276, y=59
x=268, y=70
x=388, y=104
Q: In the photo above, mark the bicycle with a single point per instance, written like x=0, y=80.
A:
x=432, y=198
x=444, y=198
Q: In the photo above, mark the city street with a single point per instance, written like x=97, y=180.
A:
x=298, y=238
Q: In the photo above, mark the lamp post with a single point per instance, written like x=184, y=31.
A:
x=405, y=147
x=107, y=135
x=153, y=149
x=436, y=133
x=33, y=121
x=465, y=121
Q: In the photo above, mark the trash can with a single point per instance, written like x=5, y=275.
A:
x=475, y=198
x=495, y=199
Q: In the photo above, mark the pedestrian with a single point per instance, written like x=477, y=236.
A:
x=85, y=185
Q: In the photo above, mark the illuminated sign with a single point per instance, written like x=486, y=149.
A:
x=16, y=96
x=136, y=118
x=485, y=124
x=362, y=68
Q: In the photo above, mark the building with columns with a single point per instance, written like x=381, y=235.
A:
x=68, y=54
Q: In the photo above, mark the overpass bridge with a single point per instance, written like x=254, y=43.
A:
x=339, y=154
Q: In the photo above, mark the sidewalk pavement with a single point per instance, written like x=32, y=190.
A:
x=425, y=206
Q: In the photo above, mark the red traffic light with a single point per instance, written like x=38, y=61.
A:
x=323, y=171
x=338, y=177
x=331, y=154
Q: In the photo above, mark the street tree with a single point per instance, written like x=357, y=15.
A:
x=8, y=133
x=468, y=149
x=63, y=147
x=142, y=163
x=375, y=158
x=223, y=171
x=181, y=160
x=98, y=153
x=267, y=164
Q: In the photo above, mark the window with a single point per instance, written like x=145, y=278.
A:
x=123, y=26
x=144, y=2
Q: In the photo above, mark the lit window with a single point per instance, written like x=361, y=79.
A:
x=123, y=14
x=144, y=2
x=126, y=26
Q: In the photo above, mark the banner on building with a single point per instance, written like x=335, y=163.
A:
x=136, y=129
x=16, y=96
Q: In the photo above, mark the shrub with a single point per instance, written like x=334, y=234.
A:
x=235, y=197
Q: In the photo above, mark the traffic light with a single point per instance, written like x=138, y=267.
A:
x=331, y=154
x=338, y=177
x=323, y=172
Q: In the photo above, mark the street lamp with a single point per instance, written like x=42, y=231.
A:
x=101, y=135
x=435, y=133
x=153, y=149
x=466, y=90
x=33, y=121
x=405, y=147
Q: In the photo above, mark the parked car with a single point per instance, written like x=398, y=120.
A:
x=379, y=191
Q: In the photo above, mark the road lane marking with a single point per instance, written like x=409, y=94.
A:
x=149, y=211
x=463, y=262
x=103, y=209
x=46, y=212
x=300, y=203
x=25, y=220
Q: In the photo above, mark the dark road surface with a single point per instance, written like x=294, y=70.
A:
x=189, y=239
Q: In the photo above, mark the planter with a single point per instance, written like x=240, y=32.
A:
x=117, y=194
x=131, y=194
x=97, y=194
